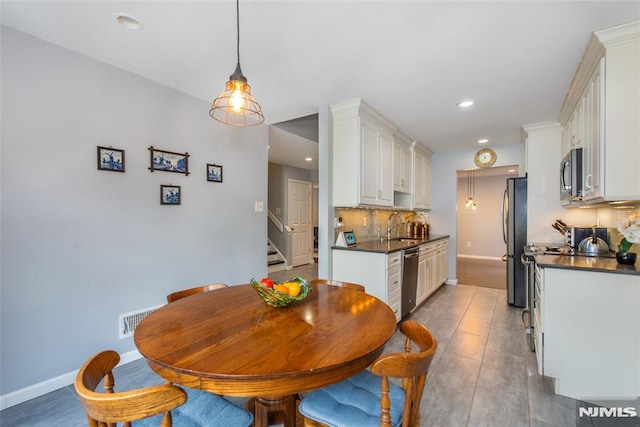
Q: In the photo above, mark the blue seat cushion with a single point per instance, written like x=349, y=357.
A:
x=203, y=409
x=353, y=402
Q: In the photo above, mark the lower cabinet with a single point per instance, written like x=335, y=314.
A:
x=588, y=333
x=379, y=273
x=432, y=268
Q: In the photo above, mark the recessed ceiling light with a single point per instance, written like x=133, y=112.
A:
x=308, y=159
x=465, y=104
x=128, y=21
x=511, y=170
x=483, y=141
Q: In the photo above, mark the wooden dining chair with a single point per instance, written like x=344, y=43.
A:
x=338, y=283
x=157, y=405
x=192, y=291
x=369, y=398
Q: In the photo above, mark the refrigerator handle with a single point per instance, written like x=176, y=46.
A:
x=504, y=218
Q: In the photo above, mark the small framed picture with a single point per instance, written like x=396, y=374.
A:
x=214, y=173
x=170, y=194
x=110, y=159
x=168, y=161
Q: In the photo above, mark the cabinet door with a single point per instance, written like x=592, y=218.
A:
x=432, y=271
x=394, y=286
x=369, y=165
x=402, y=166
x=397, y=166
x=592, y=150
x=426, y=190
x=422, y=184
x=443, y=264
x=385, y=170
x=422, y=277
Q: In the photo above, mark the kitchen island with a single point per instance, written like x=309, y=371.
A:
x=378, y=266
x=587, y=327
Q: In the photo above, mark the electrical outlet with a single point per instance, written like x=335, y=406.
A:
x=258, y=206
x=468, y=244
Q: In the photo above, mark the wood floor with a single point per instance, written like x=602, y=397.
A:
x=486, y=273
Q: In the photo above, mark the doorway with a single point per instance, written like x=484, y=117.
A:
x=480, y=245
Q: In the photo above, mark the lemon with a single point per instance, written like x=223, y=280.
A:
x=294, y=288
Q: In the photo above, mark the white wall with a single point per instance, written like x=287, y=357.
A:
x=443, y=205
x=79, y=246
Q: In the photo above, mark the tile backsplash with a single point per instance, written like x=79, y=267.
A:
x=610, y=217
x=370, y=224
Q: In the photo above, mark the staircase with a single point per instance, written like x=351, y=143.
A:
x=275, y=260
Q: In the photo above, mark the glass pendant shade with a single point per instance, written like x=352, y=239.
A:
x=470, y=203
x=235, y=106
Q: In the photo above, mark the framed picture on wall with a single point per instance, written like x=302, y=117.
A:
x=170, y=194
x=214, y=173
x=110, y=159
x=168, y=161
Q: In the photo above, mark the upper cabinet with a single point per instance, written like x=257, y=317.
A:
x=374, y=164
x=600, y=114
x=422, y=178
x=402, y=163
x=362, y=156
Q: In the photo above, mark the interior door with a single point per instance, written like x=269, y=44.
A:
x=299, y=213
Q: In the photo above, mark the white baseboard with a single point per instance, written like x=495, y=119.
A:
x=36, y=390
x=492, y=258
x=451, y=282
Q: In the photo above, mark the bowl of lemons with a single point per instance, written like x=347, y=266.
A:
x=281, y=294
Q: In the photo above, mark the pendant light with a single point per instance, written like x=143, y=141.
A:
x=471, y=190
x=235, y=106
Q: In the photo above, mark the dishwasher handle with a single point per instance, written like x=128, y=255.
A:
x=411, y=253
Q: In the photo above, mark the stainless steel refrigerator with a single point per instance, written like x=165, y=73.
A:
x=514, y=233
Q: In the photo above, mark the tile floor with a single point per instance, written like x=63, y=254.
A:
x=482, y=375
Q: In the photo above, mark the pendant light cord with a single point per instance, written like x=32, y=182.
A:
x=238, y=29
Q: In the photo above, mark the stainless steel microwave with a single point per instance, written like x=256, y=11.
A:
x=571, y=176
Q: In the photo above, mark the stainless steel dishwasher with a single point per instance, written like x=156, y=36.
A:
x=409, y=279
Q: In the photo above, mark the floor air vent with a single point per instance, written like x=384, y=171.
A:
x=129, y=321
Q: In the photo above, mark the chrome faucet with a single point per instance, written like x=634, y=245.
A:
x=389, y=224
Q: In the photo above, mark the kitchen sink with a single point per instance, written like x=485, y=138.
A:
x=406, y=240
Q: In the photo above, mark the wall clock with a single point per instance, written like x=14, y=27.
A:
x=485, y=157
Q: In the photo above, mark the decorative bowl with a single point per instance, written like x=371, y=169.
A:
x=279, y=299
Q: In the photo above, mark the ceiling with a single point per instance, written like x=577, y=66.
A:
x=410, y=60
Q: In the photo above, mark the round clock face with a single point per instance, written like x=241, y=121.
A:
x=485, y=157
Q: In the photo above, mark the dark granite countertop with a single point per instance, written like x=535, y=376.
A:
x=392, y=245
x=586, y=263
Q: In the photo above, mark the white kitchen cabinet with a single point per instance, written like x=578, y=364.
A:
x=362, y=156
x=422, y=178
x=423, y=273
x=442, y=259
x=432, y=268
x=379, y=273
x=538, y=316
x=600, y=114
x=402, y=163
x=587, y=327
x=593, y=147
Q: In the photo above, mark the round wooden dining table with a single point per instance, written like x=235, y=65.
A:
x=230, y=342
